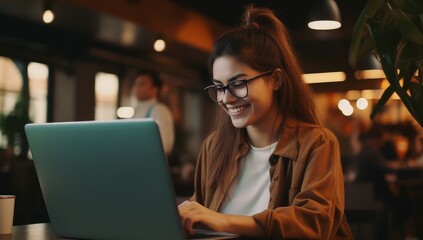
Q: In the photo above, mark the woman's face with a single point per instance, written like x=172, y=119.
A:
x=256, y=109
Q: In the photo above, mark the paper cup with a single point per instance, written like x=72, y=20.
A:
x=7, y=206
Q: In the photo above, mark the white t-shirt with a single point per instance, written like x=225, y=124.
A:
x=162, y=115
x=249, y=193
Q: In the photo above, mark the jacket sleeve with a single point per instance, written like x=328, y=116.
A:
x=316, y=211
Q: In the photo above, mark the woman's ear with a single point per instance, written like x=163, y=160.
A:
x=277, y=79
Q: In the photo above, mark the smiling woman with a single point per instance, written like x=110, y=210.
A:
x=268, y=170
x=251, y=108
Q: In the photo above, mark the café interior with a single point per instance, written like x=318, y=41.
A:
x=75, y=60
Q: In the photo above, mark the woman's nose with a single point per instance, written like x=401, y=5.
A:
x=228, y=97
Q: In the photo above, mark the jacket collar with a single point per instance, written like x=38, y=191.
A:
x=288, y=140
x=287, y=144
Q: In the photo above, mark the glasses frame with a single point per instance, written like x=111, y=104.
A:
x=227, y=87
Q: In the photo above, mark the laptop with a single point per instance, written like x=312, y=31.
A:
x=106, y=180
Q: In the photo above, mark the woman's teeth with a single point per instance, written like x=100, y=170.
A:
x=236, y=110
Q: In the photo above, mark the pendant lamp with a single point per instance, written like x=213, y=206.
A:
x=324, y=15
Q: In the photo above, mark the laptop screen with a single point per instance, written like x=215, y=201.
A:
x=105, y=179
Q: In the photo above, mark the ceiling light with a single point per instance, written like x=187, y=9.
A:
x=370, y=61
x=48, y=14
x=159, y=45
x=372, y=94
x=348, y=111
x=345, y=106
x=369, y=74
x=324, y=15
x=343, y=103
x=369, y=67
x=125, y=112
x=362, y=103
x=353, y=94
x=324, y=77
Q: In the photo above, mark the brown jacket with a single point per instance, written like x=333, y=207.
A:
x=306, y=189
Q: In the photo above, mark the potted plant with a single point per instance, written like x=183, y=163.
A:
x=12, y=125
x=393, y=31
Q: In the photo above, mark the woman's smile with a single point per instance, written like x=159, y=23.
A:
x=236, y=110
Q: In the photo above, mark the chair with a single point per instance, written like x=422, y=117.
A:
x=412, y=190
x=361, y=209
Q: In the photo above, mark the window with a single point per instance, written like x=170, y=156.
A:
x=38, y=81
x=11, y=83
x=106, y=96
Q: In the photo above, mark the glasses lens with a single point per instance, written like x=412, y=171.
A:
x=238, y=88
x=212, y=91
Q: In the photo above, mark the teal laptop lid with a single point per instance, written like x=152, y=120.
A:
x=105, y=179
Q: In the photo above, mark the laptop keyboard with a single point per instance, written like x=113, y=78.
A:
x=206, y=234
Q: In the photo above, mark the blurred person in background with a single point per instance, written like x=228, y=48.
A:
x=371, y=163
x=371, y=169
x=146, y=89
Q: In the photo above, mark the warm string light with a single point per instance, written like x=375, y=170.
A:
x=346, y=107
x=159, y=45
x=125, y=112
x=362, y=103
x=48, y=14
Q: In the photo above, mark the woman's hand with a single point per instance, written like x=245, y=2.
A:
x=193, y=213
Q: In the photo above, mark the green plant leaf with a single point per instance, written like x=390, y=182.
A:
x=406, y=25
x=416, y=91
x=406, y=76
x=382, y=101
x=384, y=51
x=407, y=51
x=385, y=54
x=412, y=7
x=401, y=51
x=396, y=34
x=407, y=56
x=366, y=47
x=372, y=7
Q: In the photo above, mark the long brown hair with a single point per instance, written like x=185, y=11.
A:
x=263, y=43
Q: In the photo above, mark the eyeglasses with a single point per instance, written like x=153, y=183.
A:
x=237, y=88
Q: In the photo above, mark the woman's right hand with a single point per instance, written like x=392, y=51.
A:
x=193, y=213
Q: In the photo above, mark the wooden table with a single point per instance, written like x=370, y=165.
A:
x=43, y=231
x=39, y=231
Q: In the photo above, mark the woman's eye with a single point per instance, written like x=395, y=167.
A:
x=237, y=84
x=220, y=88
